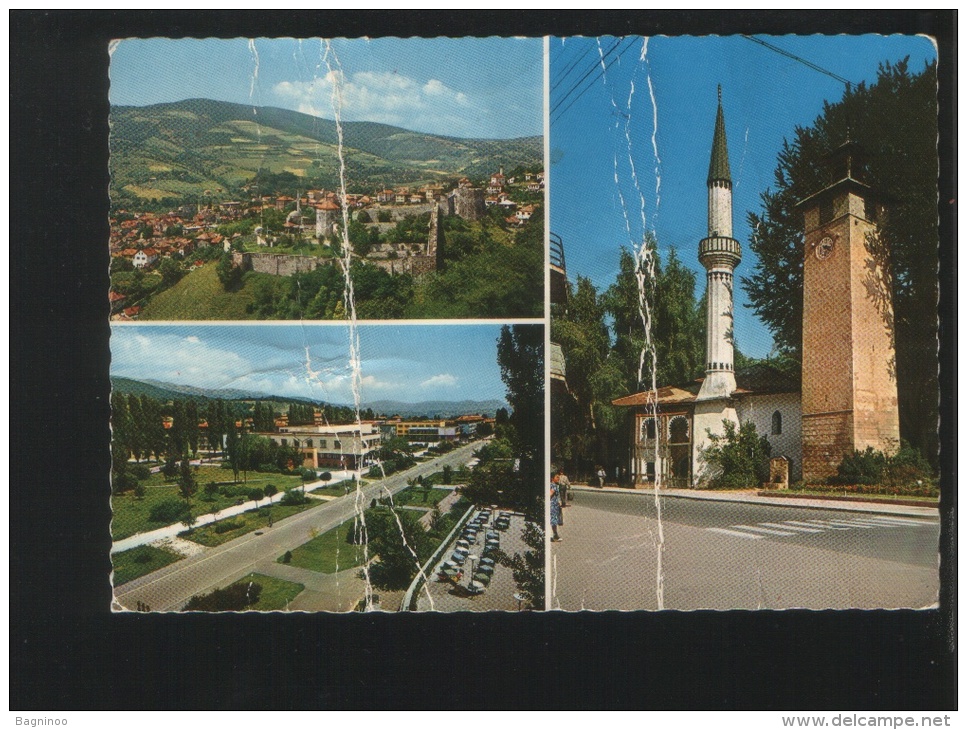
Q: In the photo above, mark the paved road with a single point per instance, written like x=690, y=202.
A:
x=169, y=588
x=722, y=555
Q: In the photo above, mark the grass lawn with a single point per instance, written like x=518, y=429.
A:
x=131, y=514
x=414, y=496
x=276, y=593
x=247, y=522
x=338, y=489
x=200, y=295
x=320, y=553
x=140, y=561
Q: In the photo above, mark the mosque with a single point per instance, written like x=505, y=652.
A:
x=845, y=397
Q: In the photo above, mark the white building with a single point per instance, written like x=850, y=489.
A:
x=345, y=446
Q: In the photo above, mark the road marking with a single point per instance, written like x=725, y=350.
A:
x=847, y=523
x=901, y=521
x=824, y=524
x=787, y=526
x=752, y=528
x=723, y=531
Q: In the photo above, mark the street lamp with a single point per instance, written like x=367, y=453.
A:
x=473, y=562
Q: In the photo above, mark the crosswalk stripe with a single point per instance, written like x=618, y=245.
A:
x=786, y=526
x=898, y=521
x=846, y=523
x=733, y=533
x=754, y=528
x=826, y=525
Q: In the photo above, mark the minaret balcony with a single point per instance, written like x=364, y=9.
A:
x=719, y=251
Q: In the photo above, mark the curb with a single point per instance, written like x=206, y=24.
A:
x=774, y=500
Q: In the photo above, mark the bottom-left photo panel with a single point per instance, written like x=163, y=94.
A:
x=327, y=468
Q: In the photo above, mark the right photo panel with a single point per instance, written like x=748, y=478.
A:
x=744, y=333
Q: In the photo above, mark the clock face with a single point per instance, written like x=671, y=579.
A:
x=824, y=248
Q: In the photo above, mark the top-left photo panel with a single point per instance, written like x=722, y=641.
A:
x=314, y=179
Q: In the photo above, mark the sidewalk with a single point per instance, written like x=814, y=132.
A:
x=752, y=497
x=143, y=538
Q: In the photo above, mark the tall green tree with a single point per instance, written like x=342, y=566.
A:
x=895, y=122
x=520, y=354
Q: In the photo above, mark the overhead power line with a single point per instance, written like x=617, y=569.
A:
x=849, y=84
x=600, y=74
x=594, y=65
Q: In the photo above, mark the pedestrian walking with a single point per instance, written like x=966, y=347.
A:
x=557, y=517
x=601, y=475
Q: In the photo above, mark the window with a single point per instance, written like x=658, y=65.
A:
x=678, y=430
x=648, y=429
x=776, y=423
x=650, y=471
x=285, y=442
x=308, y=443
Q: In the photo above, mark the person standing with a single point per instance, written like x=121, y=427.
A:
x=557, y=517
x=601, y=476
x=564, y=486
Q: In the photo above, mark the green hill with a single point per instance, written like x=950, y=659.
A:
x=182, y=149
x=200, y=294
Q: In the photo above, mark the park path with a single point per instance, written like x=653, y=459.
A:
x=145, y=538
x=170, y=587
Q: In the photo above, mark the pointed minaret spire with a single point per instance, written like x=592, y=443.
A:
x=719, y=253
x=718, y=166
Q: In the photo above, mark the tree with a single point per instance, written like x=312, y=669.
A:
x=895, y=122
x=271, y=490
x=399, y=561
x=170, y=272
x=528, y=567
x=520, y=354
x=229, y=274
x=187, y=484
x=738, y=458
x=256, y=494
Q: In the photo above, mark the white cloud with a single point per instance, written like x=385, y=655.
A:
x=443, y=380
x=387, y=97
x=191, y=338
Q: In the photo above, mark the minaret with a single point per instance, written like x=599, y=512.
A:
x=719, y=253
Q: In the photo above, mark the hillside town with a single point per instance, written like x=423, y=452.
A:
x=397, y=229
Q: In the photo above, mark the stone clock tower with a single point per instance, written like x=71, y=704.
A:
x=849, y=391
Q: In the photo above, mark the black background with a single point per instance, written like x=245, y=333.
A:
x=68, y=652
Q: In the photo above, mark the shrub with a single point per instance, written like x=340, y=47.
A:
x=255, y=494
x=287, y=558
x=123, y=481
x=168, y=511
x=269, y=468
x=293, y=497
x=738, y=458
x=140, y=471
x=236, y=597
x=142, y=556
x=905, y=468
x=226, y=526
x=271, y=490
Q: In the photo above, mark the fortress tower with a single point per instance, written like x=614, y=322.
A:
x=719, y=253
x=849, y=389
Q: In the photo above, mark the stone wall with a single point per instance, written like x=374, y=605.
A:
x=467, y=203
x=413, y=265
x=276, y=264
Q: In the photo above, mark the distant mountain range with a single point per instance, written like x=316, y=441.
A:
x=169, y=391
x=182, y=149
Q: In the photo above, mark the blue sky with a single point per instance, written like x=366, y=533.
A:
x=409, y=363
x=468, y=87
x=765, y=95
